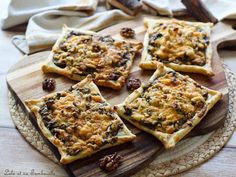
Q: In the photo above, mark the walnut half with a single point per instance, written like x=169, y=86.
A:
x=127, y=33
x=110, y=162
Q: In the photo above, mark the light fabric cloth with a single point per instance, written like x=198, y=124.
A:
x=20, y=11
x=46, y=17
x=165, y=7
x=221, y=9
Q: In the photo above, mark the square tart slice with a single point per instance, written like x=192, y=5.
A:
x=79, y=121
x=181, y=45
x=169, y=106
x=78, y=53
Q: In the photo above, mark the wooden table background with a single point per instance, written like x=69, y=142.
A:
x=16, y=155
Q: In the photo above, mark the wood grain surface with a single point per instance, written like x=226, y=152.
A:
x=24, y=80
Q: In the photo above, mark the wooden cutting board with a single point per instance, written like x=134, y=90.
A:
x=25, y=78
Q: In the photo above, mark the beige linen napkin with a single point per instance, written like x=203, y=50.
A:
x=20, y=11
x=221, y=9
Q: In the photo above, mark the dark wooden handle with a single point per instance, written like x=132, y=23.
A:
x=229, y=43
x=199, y=11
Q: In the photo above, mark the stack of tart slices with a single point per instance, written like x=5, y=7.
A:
x=80, y=122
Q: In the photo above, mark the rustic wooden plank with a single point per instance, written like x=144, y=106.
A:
x=229, y=58
x=8, y=51
x=5, y=120
x=232, y=142
x=17, y=155
x=9, y=54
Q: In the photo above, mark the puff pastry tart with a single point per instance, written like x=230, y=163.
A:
x=181, y=45
x=169, y=106
x=79, y=121
x=78, y=53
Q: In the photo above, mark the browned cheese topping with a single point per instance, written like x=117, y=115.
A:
x=168, y=104
x=80, y=120
x=178, y=42
x=100, y=56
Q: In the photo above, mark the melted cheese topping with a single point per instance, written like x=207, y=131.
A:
x=101, y=56
x=168, y=104
x=80, y=120
x=178, y=42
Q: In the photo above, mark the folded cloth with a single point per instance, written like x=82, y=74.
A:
x=162, y=7
x=221, y=9
x=20, y=11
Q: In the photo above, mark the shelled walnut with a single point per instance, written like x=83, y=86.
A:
x=133, y=83
x=110, y=162
x=49, y=84
x=127, y=33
